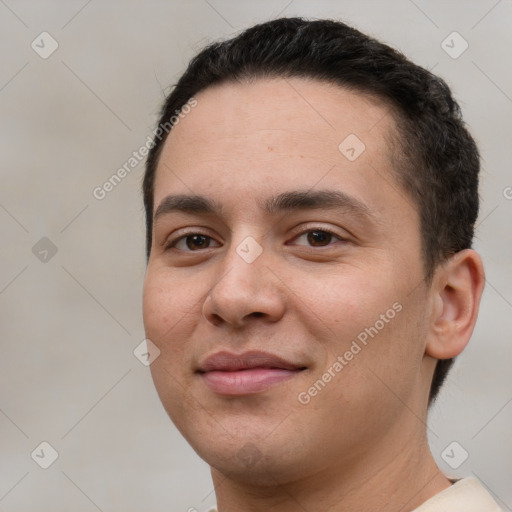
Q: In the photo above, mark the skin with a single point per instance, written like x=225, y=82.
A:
x=360, y=443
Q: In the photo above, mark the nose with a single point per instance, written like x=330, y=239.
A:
x=247, y=289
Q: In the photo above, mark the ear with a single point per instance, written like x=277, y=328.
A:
x=456, y=291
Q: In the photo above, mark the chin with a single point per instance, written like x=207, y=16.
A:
x=250, y=457
x=254, y=465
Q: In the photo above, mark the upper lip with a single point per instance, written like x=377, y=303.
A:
x=229, y=362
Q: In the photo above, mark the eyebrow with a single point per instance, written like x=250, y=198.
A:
x=284, y=202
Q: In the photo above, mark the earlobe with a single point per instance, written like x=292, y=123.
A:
x=457, y=288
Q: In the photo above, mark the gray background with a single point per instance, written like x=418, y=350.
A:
x=69, y=324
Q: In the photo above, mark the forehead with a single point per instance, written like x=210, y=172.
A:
x=284, y=108
x=264, y=135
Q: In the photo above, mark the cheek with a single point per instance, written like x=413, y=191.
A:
x=368, y=322
x=344, y=303
x=166, y=308
x=168, y=314
x=166, y=303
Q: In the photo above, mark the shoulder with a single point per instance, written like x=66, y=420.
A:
x=466, y=495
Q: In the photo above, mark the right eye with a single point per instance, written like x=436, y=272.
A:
x=190, y=242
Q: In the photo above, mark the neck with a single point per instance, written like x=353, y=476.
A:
x=398, y=477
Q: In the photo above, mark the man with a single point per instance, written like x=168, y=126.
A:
x=310, y=203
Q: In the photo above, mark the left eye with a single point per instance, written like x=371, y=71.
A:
x=318, y=237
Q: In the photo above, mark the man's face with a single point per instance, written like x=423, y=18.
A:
x=274, y=281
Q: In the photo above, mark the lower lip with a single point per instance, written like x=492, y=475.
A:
x=246, y=382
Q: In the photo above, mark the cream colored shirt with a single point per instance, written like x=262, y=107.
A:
x=466, y=495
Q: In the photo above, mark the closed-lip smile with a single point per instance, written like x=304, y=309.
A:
x=251, y=372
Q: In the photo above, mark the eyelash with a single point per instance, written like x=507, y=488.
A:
x=173, y=243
